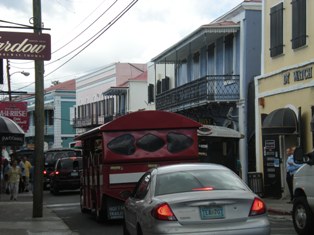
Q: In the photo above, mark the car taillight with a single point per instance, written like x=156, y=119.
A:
x=163, y=212
x=258, y=207
x=203, y=189
x=45, y=172
x=57, y=172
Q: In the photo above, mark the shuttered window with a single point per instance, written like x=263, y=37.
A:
x=276, y=30
x=158, y=87
x=165, y=84
x=150, y=93
x=298, y=23
x=229, y=54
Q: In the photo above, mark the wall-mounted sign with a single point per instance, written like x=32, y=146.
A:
x=25, y=46
x=298, y=75
x=17, y=111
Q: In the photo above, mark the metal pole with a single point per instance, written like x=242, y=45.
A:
x=39, y=120
x=9, y=80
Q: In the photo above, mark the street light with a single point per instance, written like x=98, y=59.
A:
x=9, y=78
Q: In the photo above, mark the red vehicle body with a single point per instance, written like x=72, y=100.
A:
x=118, y=153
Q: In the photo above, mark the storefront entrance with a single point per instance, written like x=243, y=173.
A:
x=279, y=132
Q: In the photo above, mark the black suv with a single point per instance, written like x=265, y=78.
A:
x=51, y=157
x=66, y=174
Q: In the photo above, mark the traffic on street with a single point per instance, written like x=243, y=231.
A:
x=66, y=206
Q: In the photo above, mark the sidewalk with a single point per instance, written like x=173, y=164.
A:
x=16, y=218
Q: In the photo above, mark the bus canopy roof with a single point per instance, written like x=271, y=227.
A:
x=144, y=120
x=218, y=131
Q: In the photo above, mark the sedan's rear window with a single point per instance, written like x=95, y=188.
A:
x=69, y=164
x=187, y=181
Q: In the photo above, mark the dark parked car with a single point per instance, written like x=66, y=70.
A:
x=51, y=157
x=66, y=174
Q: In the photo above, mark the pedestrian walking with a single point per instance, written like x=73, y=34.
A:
x=14, y=174
x=27, y=167
x=291, y=168
x=6, y=167
x=22, y=179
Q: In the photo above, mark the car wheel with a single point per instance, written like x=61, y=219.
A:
x=302, y=216
x=99, y=219
x=101, y=213
x=139, y=230
x=54, y=189
x=51, y=189
x=100, y=216
x=125, y=231
x=83, y=210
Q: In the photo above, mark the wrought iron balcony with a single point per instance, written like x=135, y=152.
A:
x=82, y=122
x=48, y=130
x=94, y=120
x=211, y=88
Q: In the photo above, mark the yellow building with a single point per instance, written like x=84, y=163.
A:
x=285, y=89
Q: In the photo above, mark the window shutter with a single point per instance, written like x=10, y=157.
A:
x=298, y=23
x=276, y=30
x=229, y=54
x=167, y=83
x=158, y=87
x=150, y=93
x=163, y=85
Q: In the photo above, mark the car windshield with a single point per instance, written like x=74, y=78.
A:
x=198, y=180
x=52, y=157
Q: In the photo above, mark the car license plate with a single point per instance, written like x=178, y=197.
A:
x=213, y=212
x=74, y=173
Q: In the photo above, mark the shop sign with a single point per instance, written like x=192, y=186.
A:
x=298, y=75
x=17, y=111
x=27, y=46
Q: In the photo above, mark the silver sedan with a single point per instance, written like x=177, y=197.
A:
x=193, y=199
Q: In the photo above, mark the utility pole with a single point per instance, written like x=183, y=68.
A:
x=9, y=80
x=39, y=120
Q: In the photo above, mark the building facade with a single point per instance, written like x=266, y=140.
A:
x=284, y=90
x=58, y=129
x=212, y=75
x=109, y=92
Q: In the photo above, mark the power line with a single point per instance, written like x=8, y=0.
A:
x=88, y=25
x=72, y=38
x=79, y=35
x=91, y=39
x=101, y=32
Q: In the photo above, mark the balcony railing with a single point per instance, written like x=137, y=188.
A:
x=201, y=91
x=82, y=122
x=48, y=130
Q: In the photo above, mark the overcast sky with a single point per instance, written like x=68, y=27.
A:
x=145, y=30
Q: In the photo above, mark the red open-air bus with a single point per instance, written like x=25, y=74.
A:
x=116, y=154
